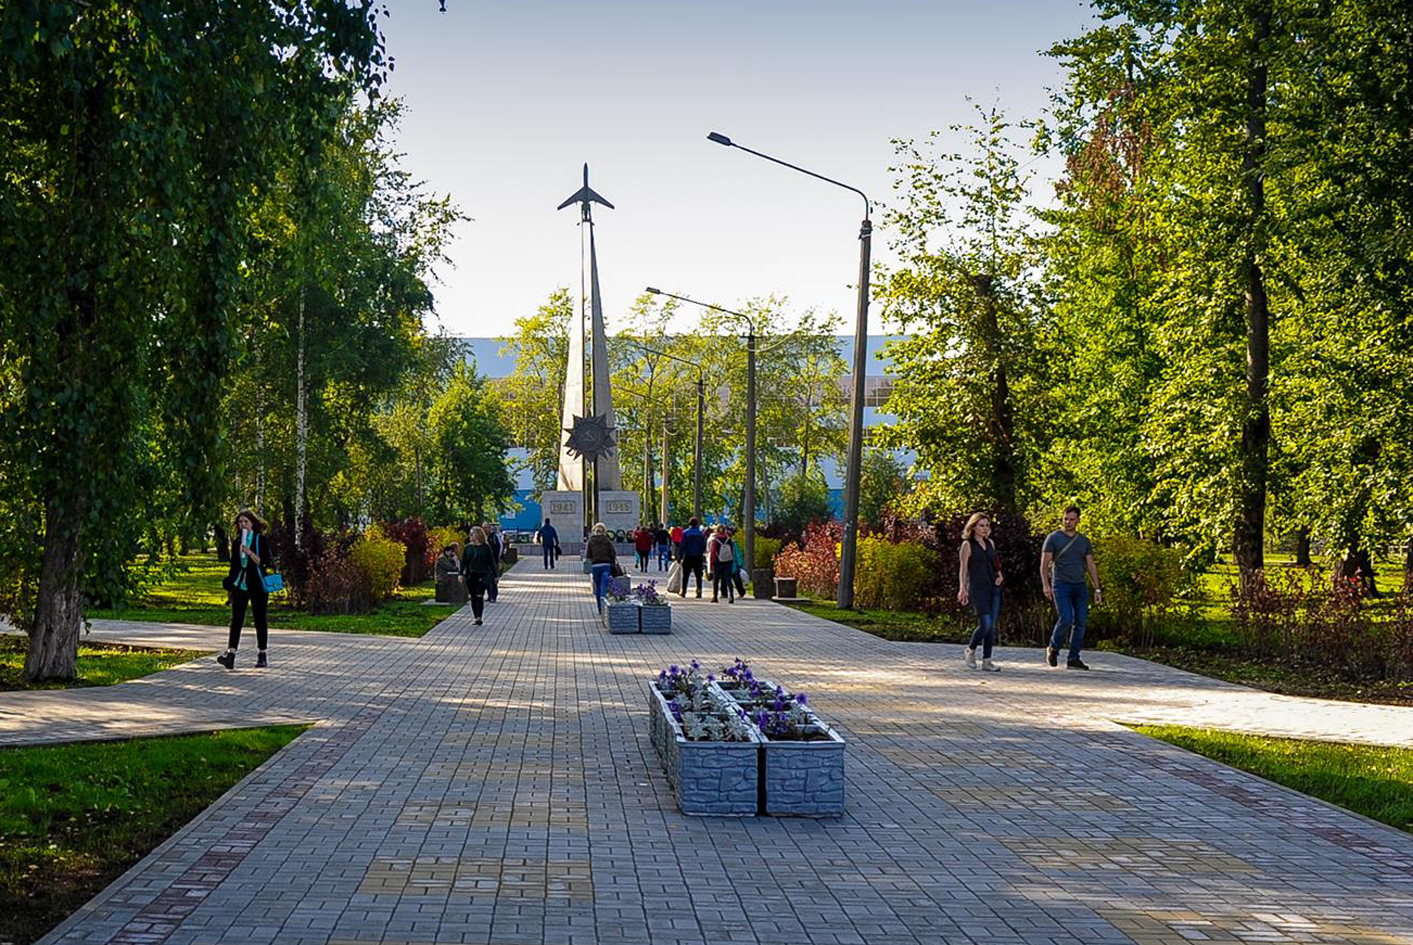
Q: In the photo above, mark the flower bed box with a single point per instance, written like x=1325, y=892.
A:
x=622, y=616
x=785, y=587
x=708, y=778
x=804, y=778
x=655, y=618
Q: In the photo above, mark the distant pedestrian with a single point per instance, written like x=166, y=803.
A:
x=738, y=569
x=643, y=546
x=979, y=584
x=478, y=568
x=663, y=539
x=676, y=536
x=602, y=557
x=549, y=544
x=250, y=557
x=721, y=552
x=494, y=543
x=449, y=562
x=1065, y=558
x=692, y=553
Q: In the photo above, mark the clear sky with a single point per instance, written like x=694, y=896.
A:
x=508, y=98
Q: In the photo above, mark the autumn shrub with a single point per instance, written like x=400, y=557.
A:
x=893, y=575
x=381, y=559
x=297, y=561
x=420, y=548
x=337, y=585
x=814, y=564
x=1146, y=589
x=1026, y=616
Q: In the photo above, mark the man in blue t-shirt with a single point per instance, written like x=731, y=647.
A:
x=549, y=543
x=693, y=554
x=1065, y=558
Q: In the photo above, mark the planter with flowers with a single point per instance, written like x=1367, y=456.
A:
x=709, y=748
x=621, y=610
x=654, y=612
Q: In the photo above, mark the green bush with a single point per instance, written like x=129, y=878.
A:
x=380, y=558
x=766, y=549
x=1145, y=588
x=445, y=535
x=893, y=576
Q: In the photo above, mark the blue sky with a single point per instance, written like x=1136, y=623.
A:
x=506, y=101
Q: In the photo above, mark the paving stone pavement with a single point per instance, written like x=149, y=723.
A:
x=496, y=785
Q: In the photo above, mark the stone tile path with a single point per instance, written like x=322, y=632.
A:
x=495, y=785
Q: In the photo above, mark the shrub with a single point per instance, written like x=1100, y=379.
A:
x=1145, y=586
x=381, y=559
x=297, y=563
x=803, y=501
x=1026, y=616
x=814, y=564
x=766, y=549
x=892, y=575
x=421, y=549
x=337, y=585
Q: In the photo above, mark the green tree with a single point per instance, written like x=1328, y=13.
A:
x=470, y=477
x=533, y=394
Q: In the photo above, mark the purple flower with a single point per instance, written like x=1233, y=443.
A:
x=801, y=699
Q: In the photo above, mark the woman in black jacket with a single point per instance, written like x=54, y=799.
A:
x=250, y=556
x=478, y=568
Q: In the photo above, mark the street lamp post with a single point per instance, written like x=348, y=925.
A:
x=748, y=514
x=848, y=551
x=701, y=409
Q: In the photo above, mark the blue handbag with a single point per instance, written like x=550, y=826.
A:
x=274, y=582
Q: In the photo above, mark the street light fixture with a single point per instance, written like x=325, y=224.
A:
x=701, y=409
x=848, y=551
x=748, y=515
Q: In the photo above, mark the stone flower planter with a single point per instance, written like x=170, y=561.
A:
x=763, y=583
x=708, y=778
x=804, y=778
x=785, y=587
x=655, y=618
x=622, y=617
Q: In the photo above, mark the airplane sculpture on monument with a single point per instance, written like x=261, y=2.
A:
x=590, y=483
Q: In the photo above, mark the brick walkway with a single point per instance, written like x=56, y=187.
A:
x=495, y=785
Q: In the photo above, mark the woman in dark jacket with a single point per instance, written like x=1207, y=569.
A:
x=979, y=584
x=250, y=556
x=602, y=557
x=478, y=569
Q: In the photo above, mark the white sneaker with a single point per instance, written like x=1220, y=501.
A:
x=969, y=657
x=989, y=666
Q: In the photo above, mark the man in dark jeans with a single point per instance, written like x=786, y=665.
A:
x=1065, y=558
x=663, y=538
x=493, y=539
x=549, y=541
x=693, y=554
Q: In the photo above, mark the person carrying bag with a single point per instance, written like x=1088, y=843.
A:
x=247, y=584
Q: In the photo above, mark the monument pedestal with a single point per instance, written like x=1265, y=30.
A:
x=565, y=510
x=619, y=510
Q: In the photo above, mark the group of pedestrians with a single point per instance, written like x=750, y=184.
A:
x=652, y=542
x=715, y=554
x=477, y=566
x=1066, y=560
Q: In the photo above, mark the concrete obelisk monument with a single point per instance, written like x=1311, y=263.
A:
x=590, y=481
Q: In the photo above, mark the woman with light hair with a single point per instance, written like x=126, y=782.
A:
x=602, y=557
x=979, y=584
x=478, y=567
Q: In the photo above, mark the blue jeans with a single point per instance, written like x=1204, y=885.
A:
x=1072, y=601
x=549, y=556
x=985, y=633
x=601, y=574
x=664, y=556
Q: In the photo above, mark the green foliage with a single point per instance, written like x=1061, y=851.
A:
x=532, y=395
x=470, y=478
x=802, y=501
x=1146, y=586
x=73, y=818
x=883, y=486
x=1374, y=781
x=893, y=575
x=766, y=549
x=381, y=560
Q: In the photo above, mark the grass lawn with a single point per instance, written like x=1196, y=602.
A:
x=195, y=595
x=74, y=817
x=99, y=664
x=1376, y=782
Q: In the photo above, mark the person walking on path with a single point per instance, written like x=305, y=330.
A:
x=549, y=543
x=494, y=543
x=1065, y=558
x=676, y=536
x=602, y=557
x=663, y=538
x=692, y=553
x=250, y=554
x=643, y=546
x=738, y=567
x=722, y=554
x=478, y=568
x=979, y=584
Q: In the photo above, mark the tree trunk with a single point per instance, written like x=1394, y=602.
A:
x=1408, y=557
x=301, y=430
x=1001, y=425
x=223, y=543
x=53, y=640
x=1302, y=548
x=1249, y=541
